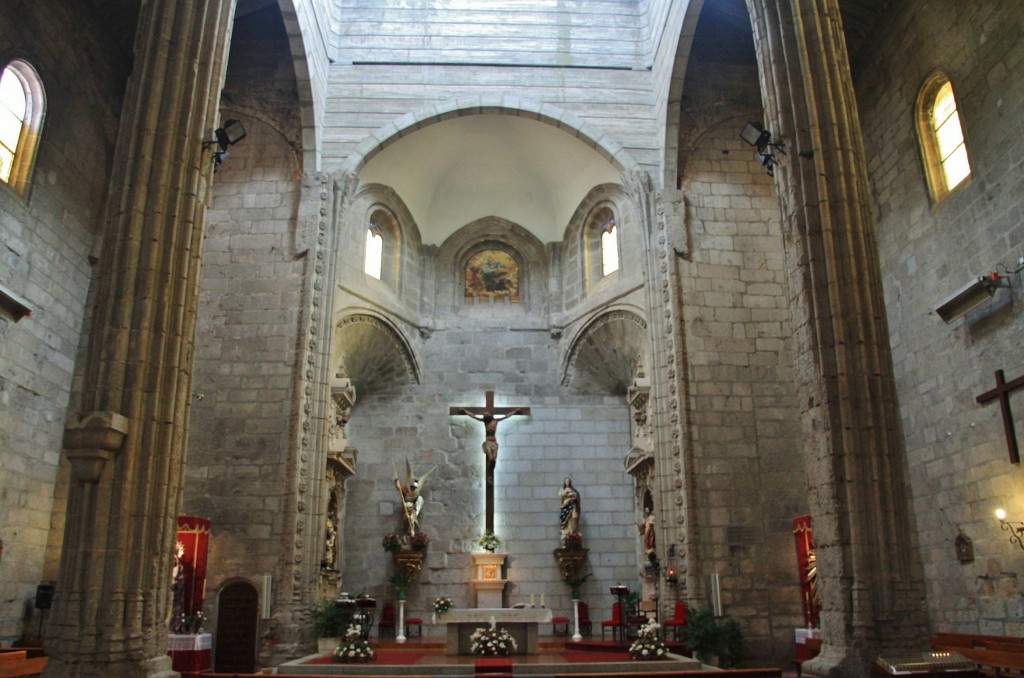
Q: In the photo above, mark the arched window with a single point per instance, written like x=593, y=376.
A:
x=601, y=244
x=374, y=251
x=22, y=103
x=609, y=248
x=941, y=137
x=382, y=247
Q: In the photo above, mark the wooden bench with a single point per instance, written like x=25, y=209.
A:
x=718, y=673
x=17, y=663
x=993, y=655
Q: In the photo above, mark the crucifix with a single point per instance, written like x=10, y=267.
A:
x=491, y=416
x=1002, y=392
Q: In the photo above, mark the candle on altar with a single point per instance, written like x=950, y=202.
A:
x=531, y=600
x=542, y=600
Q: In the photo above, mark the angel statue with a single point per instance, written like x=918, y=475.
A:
x=412, y=499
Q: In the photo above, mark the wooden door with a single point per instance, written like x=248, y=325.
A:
x=237, y=615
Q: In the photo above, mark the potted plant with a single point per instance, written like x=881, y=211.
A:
x=575, y=584
x=401, y=580
x=488, y=542
x=711, y=641
x=329, y=622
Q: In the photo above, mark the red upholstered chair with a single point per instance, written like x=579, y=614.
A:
x=560, y=626
x=586, y=626
x=413, y=621
x=614, y=623
x=387, y=620
x=677, y=622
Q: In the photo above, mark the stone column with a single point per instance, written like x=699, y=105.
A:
x=113, y=595
x=871, y=583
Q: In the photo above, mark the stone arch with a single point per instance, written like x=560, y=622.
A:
x=373, y=353
x=604, y=354
x=687, y=26
x=494, y=105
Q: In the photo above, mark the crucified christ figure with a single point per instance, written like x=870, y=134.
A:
x=490, y=416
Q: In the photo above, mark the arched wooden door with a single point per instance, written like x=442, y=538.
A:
x=237, y=613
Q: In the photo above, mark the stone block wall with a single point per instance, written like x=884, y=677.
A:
x=585, y=437
x=509, y=34
x=48, y=235
x=956, y=449
x=751, y=482
x=241, y=450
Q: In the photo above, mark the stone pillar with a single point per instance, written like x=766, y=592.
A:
x=871, y=583
x=113, y=595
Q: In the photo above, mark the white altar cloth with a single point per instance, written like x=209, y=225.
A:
x=521, y=623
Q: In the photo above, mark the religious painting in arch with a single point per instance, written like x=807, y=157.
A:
x=492, y=275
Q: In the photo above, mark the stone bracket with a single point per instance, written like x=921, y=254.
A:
x=91, y=440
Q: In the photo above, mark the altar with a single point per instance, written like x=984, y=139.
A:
x=521, y=623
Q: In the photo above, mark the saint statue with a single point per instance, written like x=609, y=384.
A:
x=412, y=496
x=569, y=508
x=647, y=529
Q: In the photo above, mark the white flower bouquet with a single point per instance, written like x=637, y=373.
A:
x=492, y=641
x=647, y=644
x=354, y=648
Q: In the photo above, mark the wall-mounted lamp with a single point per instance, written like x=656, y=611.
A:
x=1015, y=529
x=670, y=576
x=757, y=136
x=230, y=134
x=970, y=296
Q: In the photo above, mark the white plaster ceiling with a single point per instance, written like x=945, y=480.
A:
x=459, y=170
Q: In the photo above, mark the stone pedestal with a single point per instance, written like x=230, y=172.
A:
x=489, y=582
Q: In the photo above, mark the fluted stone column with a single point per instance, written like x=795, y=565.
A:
x=113, y=596
x=869, y=569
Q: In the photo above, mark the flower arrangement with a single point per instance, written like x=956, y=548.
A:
x=392, y=542
x=419, y=541
x=489, y=541
x=492, y=641
x=573, y=541
x=193, y=623
x=354, y=648
x=652, y=558
x=647, y=644
x=442, y=604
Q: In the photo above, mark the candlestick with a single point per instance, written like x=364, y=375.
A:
x=542, y=600
x=531, y=600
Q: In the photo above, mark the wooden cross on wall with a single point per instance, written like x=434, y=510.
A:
x=491, y=416
x=1002, y=392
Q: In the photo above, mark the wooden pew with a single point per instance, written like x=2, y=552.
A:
x=716, y=673
x=993, y=655
x=17, y=664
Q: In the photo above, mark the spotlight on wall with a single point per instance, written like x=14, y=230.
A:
x=757, y=136
x=230, y=134
x=1015, y=529
x=970, y=296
